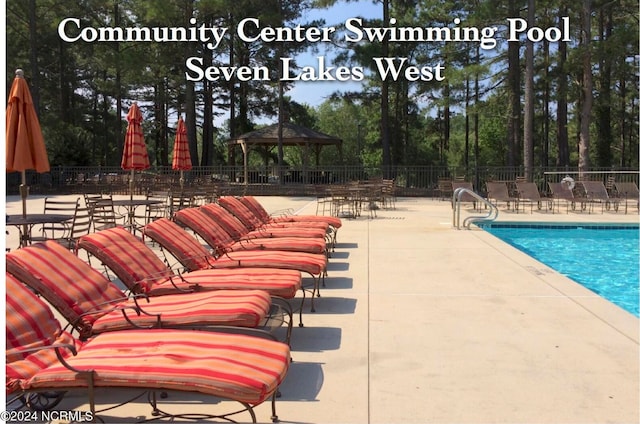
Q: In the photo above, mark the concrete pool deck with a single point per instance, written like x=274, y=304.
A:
x=420, y=322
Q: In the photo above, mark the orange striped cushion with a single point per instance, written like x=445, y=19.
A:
x=306, y=262
x=230, y=223
x=211, y=232
x=286, y=244
x=127, y=256
x=184, y=247
x=226, y=220
x=206, y=221
x=30, y=324
x=243, y=368
x=181, y=244
x=74, y=288
x=289, y=232
x=235, y=207
x=276, y=281
x=257, y=208
x=317, y=224
x=69, y=284
x=239, y=308
x=241, y=209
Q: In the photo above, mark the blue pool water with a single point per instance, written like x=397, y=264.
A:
x=603, y=258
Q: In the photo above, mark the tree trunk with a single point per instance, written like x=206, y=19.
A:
x=476, y=122
x=207, y=112
x=118, y=85
x=33, y=57
x=623, y=120
x=467, y=127
x=190, y=119
x=529, y=97
x=384, y=101
x=587, y=88
x=513, y=120
x=546, y=119
x=603, y=108
x=563, y=134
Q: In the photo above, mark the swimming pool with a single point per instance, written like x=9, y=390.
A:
x=603, y=258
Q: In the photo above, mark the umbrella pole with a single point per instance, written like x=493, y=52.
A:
x=130, y=209
x=181, y=180
x=131, y=184
x=24, y=192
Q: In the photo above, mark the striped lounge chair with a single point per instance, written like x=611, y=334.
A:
x=92, y=304
x=254, y=224
x=218, y=227
x=19, y=363
x=250, y=219
x=271, y=231
x=194, y=256
x=142, y=271
x=335, y=223
x=206, y=226
x=42, y=357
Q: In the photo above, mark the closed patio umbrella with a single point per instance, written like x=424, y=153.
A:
x=25, y=147
x=134, y=154
x=181, y=156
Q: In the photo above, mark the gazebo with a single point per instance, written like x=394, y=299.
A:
x=292, y=135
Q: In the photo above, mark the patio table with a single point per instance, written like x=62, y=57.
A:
x=25, y=223
x=130, y=206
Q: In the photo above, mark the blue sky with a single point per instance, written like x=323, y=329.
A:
x=314, y=93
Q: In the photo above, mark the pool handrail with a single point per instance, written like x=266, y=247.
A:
x=491, y=215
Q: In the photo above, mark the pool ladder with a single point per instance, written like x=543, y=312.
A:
x=456, y=202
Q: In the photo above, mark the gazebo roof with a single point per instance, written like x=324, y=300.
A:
x=292, y=135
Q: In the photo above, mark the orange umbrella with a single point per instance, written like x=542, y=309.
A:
x=25, y=144
x=181, y=155
x=134, y=155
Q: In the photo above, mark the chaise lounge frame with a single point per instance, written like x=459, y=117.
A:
x=240, y=368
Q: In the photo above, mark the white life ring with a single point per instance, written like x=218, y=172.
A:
x=568, y=182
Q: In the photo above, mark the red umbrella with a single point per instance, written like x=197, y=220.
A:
x=181, y=156
x=134, y=155
x=25, y=144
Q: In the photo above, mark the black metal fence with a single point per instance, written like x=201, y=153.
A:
x=420, y=181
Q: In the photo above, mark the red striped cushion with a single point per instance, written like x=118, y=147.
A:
x=236, y=229
x=29, y=324
x=244, y=212
x=243, y=368
x=307, y=262
x=74, y=288
x=206, y=222
x=181, y=244
x=69, y=284
x=289, y=232
x=257, y=208
x=184, y=247
x=239, y=308
x=240, y=211
x=275, y=281
x=286, y=244
x=226, y=219
x=206, y=227
x=241, y=205
x=319, y=225
x=126, y=255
